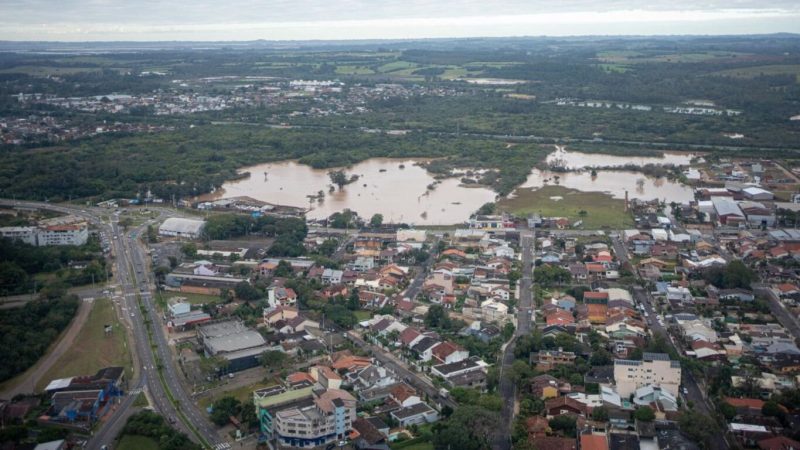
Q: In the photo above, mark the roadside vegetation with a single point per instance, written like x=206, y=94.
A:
x=94, y=348
x=37, y=325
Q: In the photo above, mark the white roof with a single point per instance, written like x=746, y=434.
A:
x=52, y=445
x=659, y=234
x=753, y=190
x=749, y=427
x=60, y=383
x=181, y=225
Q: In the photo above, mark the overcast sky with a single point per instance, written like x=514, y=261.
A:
x=156, y=20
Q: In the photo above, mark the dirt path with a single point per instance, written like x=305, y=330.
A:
x=26, y=382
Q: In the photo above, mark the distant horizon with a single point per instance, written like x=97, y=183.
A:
x=315, y=20
x=787, y=34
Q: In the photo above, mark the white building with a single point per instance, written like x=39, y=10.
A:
x=74, y=234
x=410, y=235
x=24, y=234
x=180, y=227
x=494, y=311
x=654, y=368
x=64, y=234
x=328, y=417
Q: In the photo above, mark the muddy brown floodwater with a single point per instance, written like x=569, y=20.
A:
x=400, y=194
x=398, y=188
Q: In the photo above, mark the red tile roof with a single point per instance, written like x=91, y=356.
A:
x=594, y=442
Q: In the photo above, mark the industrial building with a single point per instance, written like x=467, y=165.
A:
x=232, y=340
x=182, y=228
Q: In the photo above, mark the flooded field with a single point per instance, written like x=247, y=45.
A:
x=398, y=188
x=577, y=160
x=400, y=194
x=613, y=182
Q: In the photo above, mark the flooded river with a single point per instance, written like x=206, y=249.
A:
x=400, y=194
x=398, y=188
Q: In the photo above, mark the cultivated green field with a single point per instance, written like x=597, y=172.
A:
x=756, y=71
x=601, y=209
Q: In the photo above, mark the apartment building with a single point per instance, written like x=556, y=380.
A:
x=654, y=369
x=307, y=417
x=67, y=234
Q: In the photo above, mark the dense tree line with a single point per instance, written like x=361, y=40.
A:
x=288, y=232
x=152, y=425
x=19, y=262
x=37, y=324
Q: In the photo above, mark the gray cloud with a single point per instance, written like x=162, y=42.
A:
x=286, y=19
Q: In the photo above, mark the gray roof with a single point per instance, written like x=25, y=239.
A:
x=456, y=366
x=655, y=357
x=230, y=336
x=726, y=206
x=413, y=410
x=180, y=225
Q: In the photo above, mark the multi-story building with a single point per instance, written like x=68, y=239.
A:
x=305, y=418
x=548, y=359
x=654, y=369
x=24, y=234
x=71, y=234
x=66, y=234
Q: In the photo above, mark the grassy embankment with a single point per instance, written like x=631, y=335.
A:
x=93, y=349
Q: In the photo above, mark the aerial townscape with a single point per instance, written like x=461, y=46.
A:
x=336, y=235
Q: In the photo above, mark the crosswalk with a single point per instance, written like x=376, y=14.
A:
x=222, y=446
x=136, y=391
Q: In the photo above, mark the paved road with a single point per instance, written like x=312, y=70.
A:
x=693, y=391
x=29, y=379
x=779, y=310
x=15, y=301
x=132, y=277
x=407, y=375
x=419, y=279
x=507, y=389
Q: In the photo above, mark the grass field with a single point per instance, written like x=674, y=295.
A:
x=133, y=442
x=243, y=394
x=45, y=71
x=195, y=299
x=353, y=70
x=396, y=65
x=414, y=446
x=363, y=315
x=601, y=209
x=626, y=56
x=93, y=349
x=752, y=72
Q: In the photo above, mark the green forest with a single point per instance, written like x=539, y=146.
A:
x=444, y=115
x=37, y=324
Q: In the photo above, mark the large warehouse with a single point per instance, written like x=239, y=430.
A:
x=187, y=228
x=232, y=340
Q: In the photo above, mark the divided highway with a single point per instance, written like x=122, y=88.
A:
x=154, y=367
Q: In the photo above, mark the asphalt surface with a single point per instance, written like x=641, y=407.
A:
x=691, y=390
x=405, y=374
x=419, y=279
x=779, y=310
x=131, y=274
x=507, y=389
